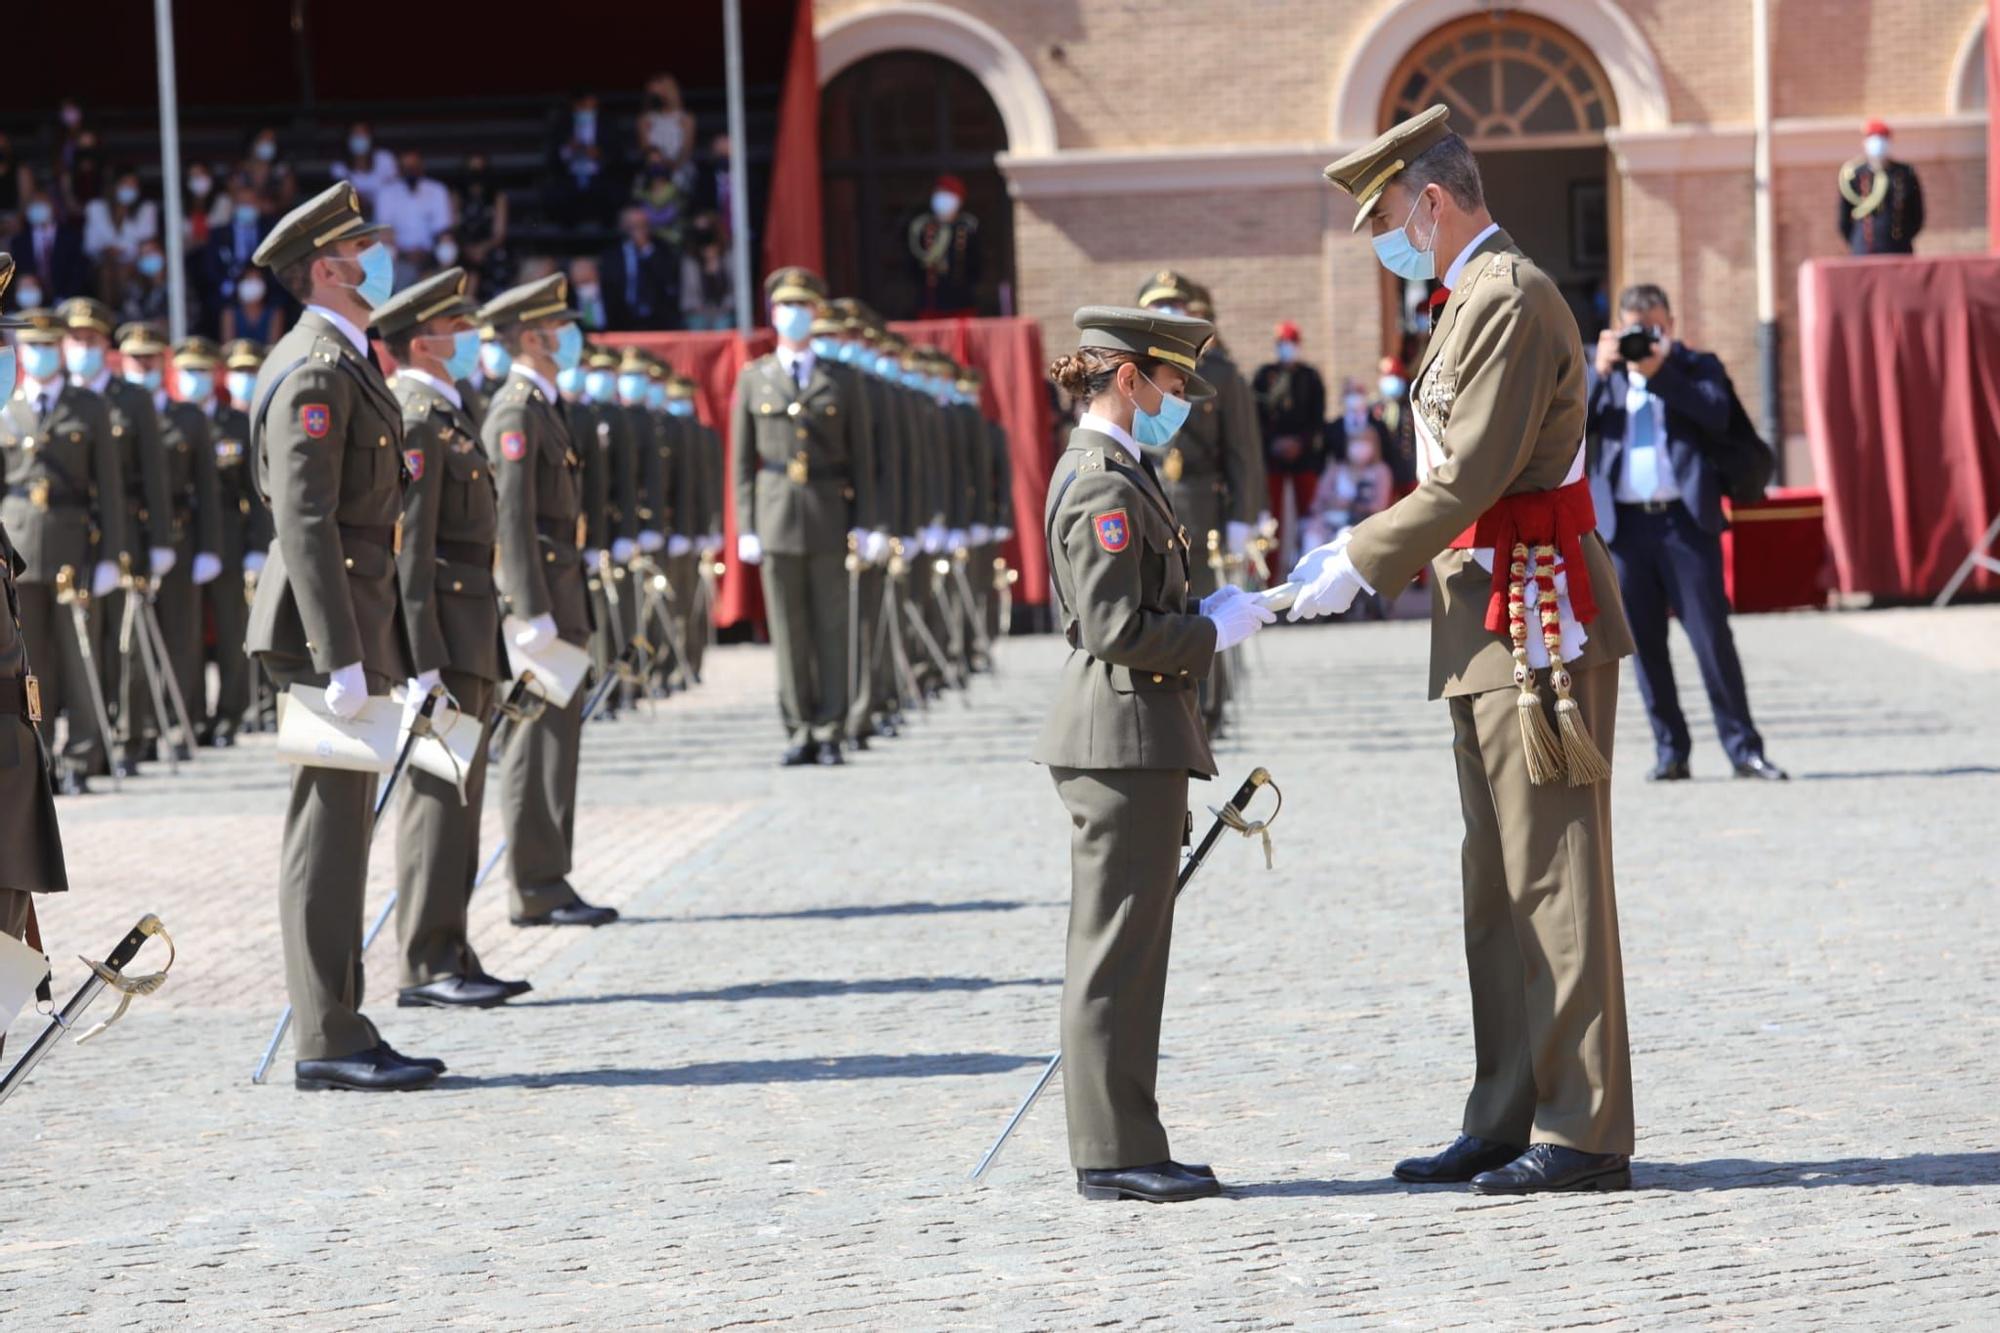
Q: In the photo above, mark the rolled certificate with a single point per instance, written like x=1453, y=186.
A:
x=1279, y=598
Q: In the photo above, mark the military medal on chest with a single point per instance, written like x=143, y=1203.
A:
x=797, y=470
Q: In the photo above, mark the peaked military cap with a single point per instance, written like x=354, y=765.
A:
x=1201, y=303
x=439, y=296
x=86, y=312
x=795, y=285
x=1166, y=286
x=634, y=361
x=600, y=357
x=142, y=339
x=334, y=214
x=679, y=386
x=546, y=298
x=827, y=320
x=243, y=354
x=7, y=276
x=1177, y=340
x=197, y=353
x=39, y=325
x=1366, y=172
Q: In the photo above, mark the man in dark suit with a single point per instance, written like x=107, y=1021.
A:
x=49, y=249
x=226, y=255
x=1654, y=425
x=638, y=275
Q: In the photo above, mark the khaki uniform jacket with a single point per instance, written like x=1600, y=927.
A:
x=1003, y=476
x=476, y=397
x=33, y=862
x=135, y=428
x=653, y=463
x=451, y=521
x=1119, y=560
x=541, y=563
x=1501, y=389
x=891, y=454
x=805, y=463
x=975, y=469
x=191, y=481
x=328, y=444
x=68, y=459
x=1249, y=488
x=242, y=521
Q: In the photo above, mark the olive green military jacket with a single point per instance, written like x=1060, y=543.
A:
x=1119, y=561
x=541, y=497
x=975, y=470
x=805, y=464
x=1501, y=390
x=135, y=427
x=714, y=466
x=33, y=862
x=327, y=435
x=451, y=522
x=590, y=437
x=63, y=483
x=1003, y=475
x=192, y=490
x=1249, y=490
x=241, y=518
x=653, y=465
x=891, y=453
x=681, y=492
x=917, y=508
x=475, y=397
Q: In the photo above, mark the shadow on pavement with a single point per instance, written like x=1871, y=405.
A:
x=849, y=913
x=1737, y=1173
x=1961, y=771
x=1316, y=1189
x=831, y=1069
x=791, y=990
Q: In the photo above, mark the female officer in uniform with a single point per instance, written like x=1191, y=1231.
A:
x=1125, y=733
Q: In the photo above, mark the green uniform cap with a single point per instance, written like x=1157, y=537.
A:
x=829, y=321
x=679, y=386
x=141, y=339
x=39, y=325
x=332, y=215
x=243, y=354
x=1177, y=340
x=197, y=353
x=795, y=285
x=1366, y=172
x=543, y=299
x=439, y=296
x=86, y=312
x=600, y=357
x=1166, y=286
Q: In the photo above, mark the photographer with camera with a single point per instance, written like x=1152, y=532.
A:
x=1667, y=442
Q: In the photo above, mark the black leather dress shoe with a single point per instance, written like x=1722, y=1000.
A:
x=578, y=913
x=798, y=755
x=857, y=743
x=378, y=1069
x=829, y=756
x=512, y=988
x=453, y=993
x=71, y=783
x=1757, y=766
x=126, y=768
x=1457, y=1164
x=1547, y=1168
x=222, y=740
x=1158, y=1183
x=1197, y=1170
x=1670, y=770
x=888, y=728
x=430, y=1062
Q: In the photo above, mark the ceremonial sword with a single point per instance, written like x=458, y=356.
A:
x=110, y=972
x=1228, y=817
x=78, y=597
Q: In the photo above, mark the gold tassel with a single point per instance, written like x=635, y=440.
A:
x=1586, y=763
x=1538, y=739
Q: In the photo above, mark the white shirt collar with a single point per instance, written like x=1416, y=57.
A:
x=535, y=378
x=32, y=389
x=1451, y=275
x=160, y=400
x=443, y=386
x=792, y=359
x=1092, y=421
x=345, y=325
x=99, y=384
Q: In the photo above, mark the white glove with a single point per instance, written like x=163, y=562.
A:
x=955, y=539
x=253, y=562
x=425, y=682
x=206, y=566
x=875, y=548
x=162, y=558
x=1266, y=525
x=934, y=538
x=1222, y=596
x=857, y=540
x=347, y=691
x=981, y=534
x=1330, y=587
x=748, y=549
x=103, y=579
x=651, y=541
x=1003, y=534
x=1312, y=562
x=712, y=542
x=622, y=550
x=536, y=634
x=591, y=555
x=1236, y=536
x=678, y=546
x=1237, y=618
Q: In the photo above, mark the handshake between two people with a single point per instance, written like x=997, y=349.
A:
x=1323, y=583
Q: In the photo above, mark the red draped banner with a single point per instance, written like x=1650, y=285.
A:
x=792, y=223
x=1901, y=360
x=1993, y=125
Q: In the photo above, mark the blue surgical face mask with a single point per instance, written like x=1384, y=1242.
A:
x=656, y=396
x=149, y=380
x=1156, y=429
x=152, y=265
x=631, y=389
x=494, y=359
x=1288, y=352
x=39, y=214
x=83, y=361
x=242, y=383
x=464, y=354
x=825, y=348
x=570, y=380
x=1876, y=146
x=246, y=213
x=378, y=275
x=41, y=361
x=569, y=347
x=7, y=366
x=196, y=386
x=1400, y=255
x=792, y=321
x=597, y=385
x=680, y=407
x=1391, y=386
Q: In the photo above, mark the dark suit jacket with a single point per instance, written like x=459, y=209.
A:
x=658, y=303
x=1697, y=394
x=68, y=271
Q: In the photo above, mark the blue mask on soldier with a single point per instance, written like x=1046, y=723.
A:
x=149, y=380
x=825, y=348
x=680, y=407
x=242, y=383
x=464, y=354
x=41, y=361
x=632, y=388
x=494, y=360
x=1156, y=430
x=597, y=386
x=6, y=365
x=83, y=361
x=792, y=320
x=569, y=348
x=656, y=396
x=1400, y=255
x=378, y=275
x=570, y=380
x=197, y=386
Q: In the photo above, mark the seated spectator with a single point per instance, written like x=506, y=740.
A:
x=226, y=257
x=482, y=227
x=666, y=127
x=444, y=254
x=145, y=296
x=587, y=293
x=112, y=231
x=639, y=273
x=369, y=167
x=1347, y=493
x=49, y=248
x=1355, y=422
x=664, y=201
x=251, y=313
x=712, y=186
x=585, y=182
x=708, y=285
x=265, y=168
x=203, y=207
x=416, y=210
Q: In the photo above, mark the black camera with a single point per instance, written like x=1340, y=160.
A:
x=1636, y=343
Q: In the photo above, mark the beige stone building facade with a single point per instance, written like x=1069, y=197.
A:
x=1617, y=139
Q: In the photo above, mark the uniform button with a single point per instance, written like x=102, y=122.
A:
x=549, y=556
x=349, y=562
x=379, y=443
x=475, y=474
x=456, y=586
x=1157, y=678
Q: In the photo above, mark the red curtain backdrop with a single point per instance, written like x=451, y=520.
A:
x=792, y=218
x=1993, y=125
x=1009, y=351
x=1902, y=396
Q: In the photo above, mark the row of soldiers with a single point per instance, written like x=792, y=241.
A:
x=873, y=495
x=134, y=515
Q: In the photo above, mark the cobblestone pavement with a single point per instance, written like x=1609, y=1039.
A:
x=757, y=1098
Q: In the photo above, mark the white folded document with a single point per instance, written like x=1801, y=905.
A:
x=447, y=752
x=21, y=970
x=310, y=734
x=558, y=668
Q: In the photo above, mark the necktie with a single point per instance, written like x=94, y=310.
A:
x=799, y=371
x=631, y=276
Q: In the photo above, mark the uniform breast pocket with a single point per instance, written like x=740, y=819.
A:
x=364, y=468
x=467, y=487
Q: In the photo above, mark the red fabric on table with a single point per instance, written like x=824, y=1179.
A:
x=1774, y=551
x=792, y=222
x=1901, y=362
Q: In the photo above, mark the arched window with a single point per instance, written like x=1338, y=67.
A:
x=890, y=125
x=1505, y=78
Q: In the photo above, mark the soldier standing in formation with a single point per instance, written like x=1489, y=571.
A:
x=542, y=580
x=245, y=527
x=695, y=504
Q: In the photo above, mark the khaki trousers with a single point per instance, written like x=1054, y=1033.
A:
x=1125, y=839
x=868, y=699
x=437, y=852
x=1541, y=934
x=805, y=598
x=538, y=806
x=322, y=891
x=224, y=596
x=692, y=623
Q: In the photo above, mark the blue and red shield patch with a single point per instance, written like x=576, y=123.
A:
x=413, y=459
x=513, y=445
x=1114, y=532
x=315, y=420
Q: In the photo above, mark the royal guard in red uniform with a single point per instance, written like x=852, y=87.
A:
x=944, y=250
x=1881, y=202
